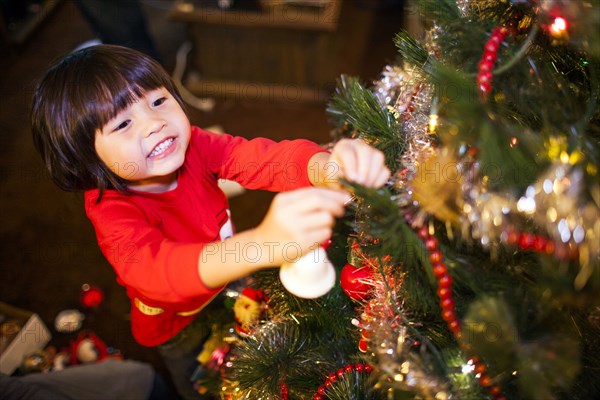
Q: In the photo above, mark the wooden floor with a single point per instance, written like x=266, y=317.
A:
x=47, y=246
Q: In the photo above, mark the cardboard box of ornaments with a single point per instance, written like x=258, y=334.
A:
x=22, y=332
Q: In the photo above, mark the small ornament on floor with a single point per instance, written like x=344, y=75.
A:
x=88, y=348
x=68, y=321
x=91, y=296
x=39, y=361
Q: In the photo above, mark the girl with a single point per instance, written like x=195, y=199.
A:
x=108, y=120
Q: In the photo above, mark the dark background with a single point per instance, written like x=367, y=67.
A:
x=47, y=246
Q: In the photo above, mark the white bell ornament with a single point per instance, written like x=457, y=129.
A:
x=310, y=276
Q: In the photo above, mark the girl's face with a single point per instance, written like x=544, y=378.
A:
x=145, y=144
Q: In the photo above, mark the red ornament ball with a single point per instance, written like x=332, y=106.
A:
x=91, y=296
x=356, y=282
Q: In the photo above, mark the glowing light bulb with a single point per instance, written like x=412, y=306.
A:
x=468, y=368
x=433, y=121
x=559, y=27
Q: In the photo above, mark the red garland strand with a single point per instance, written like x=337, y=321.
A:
x=334, y=376
x=490, y=54
x=540, y=244
x=444, y=292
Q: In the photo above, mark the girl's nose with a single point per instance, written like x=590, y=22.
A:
x=155, y=125
x=154, y=122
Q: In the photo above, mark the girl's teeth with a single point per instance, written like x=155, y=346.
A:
x=161, y=147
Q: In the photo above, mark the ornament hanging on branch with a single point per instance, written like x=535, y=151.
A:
x=248, y=309
x=310, y=276
x=356, y=282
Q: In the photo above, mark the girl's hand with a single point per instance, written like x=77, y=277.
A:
x=352, y=159
x=360, y=162
x=299, y=220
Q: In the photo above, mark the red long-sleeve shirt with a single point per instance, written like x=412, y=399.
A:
x=154, y=240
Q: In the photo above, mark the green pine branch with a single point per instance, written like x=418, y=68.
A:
x=358, y=107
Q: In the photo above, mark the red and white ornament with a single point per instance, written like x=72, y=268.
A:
x=87, y=348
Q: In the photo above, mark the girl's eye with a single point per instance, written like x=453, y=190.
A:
x=158, y=102
x=121, y=126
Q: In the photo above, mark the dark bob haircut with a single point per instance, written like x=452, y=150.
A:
x=76, y=97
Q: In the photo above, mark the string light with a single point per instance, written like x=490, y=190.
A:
x=433, y=116
x=433, y=120
x=468, y=367
x=558, y=27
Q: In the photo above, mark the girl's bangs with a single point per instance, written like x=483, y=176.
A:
x=119, y=95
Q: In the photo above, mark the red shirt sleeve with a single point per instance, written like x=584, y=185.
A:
x=258, y=163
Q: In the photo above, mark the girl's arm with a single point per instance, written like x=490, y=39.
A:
x=296, y=222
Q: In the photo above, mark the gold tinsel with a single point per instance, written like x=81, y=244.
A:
x=437, y=187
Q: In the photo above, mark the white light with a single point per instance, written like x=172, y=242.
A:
x=578, y=234
x=563, y=230
x=467, y=368
x=548, y=184
x=558, y=27
x=526, y=205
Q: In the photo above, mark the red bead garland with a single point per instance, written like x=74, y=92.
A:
x=480, y=370
x=444, y=292
x=490, y=54
x=540, y=244
x=444, y=280
x=334, y=376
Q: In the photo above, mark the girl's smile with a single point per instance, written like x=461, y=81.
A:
x=162, y=149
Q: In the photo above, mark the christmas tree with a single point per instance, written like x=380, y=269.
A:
x=474, y=273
